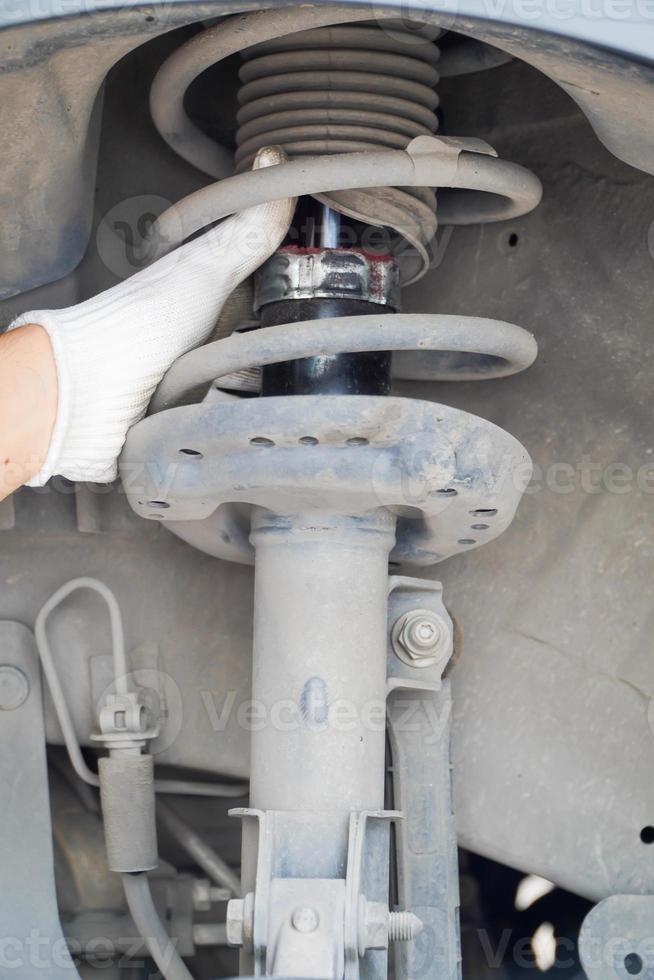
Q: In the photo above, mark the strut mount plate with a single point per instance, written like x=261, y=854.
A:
x=453, y=479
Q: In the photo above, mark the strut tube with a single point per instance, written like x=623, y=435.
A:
x=319, y=676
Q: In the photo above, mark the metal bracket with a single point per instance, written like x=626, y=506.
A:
x=406, y=594
x=366, y=880
x=419, y=712
x=334, y=944
x=31, y=936
x=615, y=942
x=306, y=927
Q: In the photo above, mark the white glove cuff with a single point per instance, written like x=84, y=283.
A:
x=111, y=351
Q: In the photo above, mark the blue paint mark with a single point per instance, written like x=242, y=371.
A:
x=314, y=703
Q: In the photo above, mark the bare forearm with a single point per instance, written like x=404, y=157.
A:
x=71, y=388
x=28, y=404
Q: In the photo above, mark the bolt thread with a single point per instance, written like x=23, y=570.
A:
x=403, y=926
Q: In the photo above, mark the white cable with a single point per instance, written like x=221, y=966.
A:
x=179, y=786
x=111, y=351
x=146, y=919
x=50, y=671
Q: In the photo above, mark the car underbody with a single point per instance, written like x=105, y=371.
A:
x=378, y=562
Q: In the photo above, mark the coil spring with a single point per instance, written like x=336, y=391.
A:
x=360, y=94
x=346, y=102
x=345, y=89
x=320, y=90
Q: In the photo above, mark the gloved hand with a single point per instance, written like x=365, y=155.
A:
x=112, y=351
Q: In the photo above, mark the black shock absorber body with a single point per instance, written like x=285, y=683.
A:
x=325, y=281
x=338, y=374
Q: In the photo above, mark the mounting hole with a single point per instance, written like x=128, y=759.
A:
x=158, y=504
x=479, y=527
x=356, y=441
x=447, y=492
x=261, y=441
x=647, y=835
x=308, y=441
x=191, y=452
x=508, y=242
x=467, y=541
x=633, y=964
x=484, y=512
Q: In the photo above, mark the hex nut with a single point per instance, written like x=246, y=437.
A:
x=373, y=925
x=421, y=638
x=234, y=921
x=240, y=921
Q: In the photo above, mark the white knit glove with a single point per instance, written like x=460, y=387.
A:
x=112, y=351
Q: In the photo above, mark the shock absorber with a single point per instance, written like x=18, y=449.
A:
x=327, y=476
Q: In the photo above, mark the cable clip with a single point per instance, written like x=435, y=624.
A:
x=126, y=721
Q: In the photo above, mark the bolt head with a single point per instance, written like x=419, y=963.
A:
x=421, y=638
x=421, y=634
x=14, y=688
x=305, y=919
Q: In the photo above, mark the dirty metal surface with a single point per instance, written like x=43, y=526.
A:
x=447, y=468
x=60, y=65
x=32, y=937
x=554, y=676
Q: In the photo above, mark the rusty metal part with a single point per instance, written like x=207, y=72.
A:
x=312, y=273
